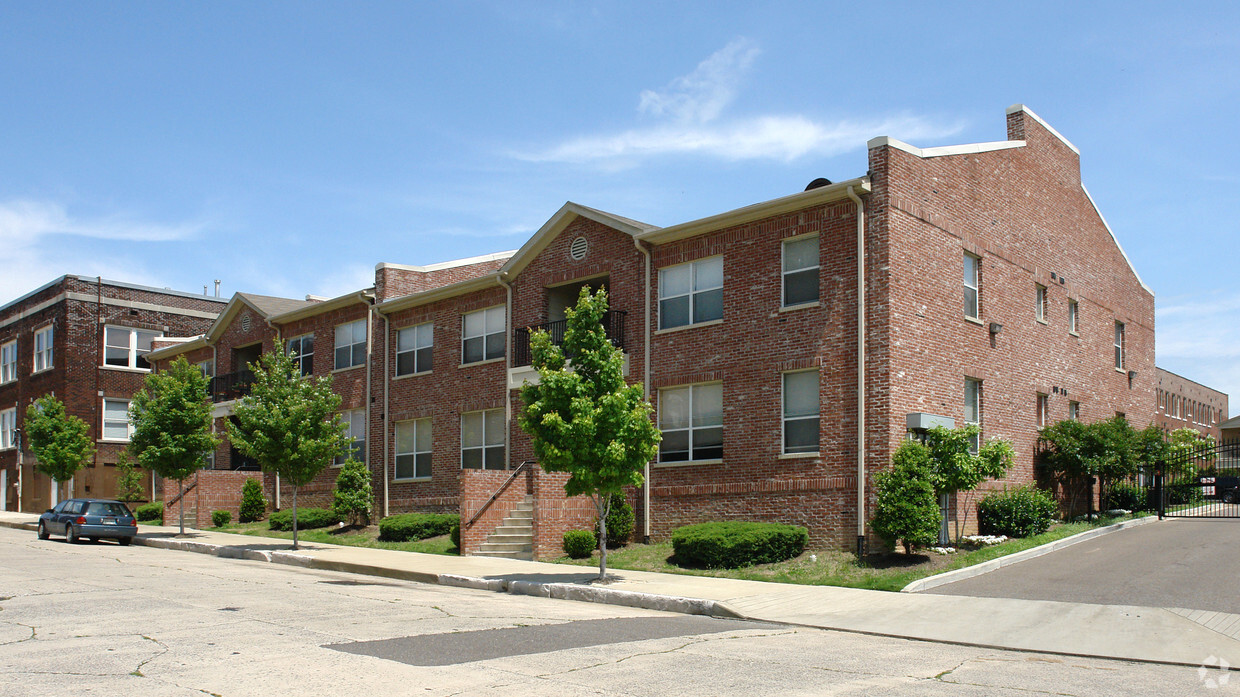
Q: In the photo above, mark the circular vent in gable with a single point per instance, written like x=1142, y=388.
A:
x=578, y=249
x=245, y=322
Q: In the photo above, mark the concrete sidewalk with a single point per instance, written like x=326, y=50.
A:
x=1160, y=635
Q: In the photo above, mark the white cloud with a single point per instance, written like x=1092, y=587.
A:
x=692, y=121
x=1199, y=337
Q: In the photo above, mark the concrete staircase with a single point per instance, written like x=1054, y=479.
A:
x=514, y=538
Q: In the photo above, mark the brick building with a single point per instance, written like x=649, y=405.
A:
x=788, y=346
x=84, y=340
x=1183, y=403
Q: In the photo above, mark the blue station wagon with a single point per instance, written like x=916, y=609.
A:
x=93, y=519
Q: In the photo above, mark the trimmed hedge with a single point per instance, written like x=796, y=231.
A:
x=455, y=535
x=307, y=519
x=1022, y=512
x=152, y=512
x=416, y=526
x=731, y=545
x=220, y=518
x=580, y=544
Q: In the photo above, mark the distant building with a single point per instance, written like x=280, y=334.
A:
x=1184, y=403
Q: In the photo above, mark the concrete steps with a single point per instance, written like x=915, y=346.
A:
x=514, y=538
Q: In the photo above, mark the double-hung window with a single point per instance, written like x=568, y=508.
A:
x=801, y=403
x=1039, y=303
x=301, y=349
x=800, y=271
x=1074, y=411
x=43, y=349
x=355, y=427
x=972, y=286
x=8, y=429
x=127, y=348
x=973, y=410
x=1074, y=312
x=413, y=449
x=1119, y=345
x=8, y=362
x=414, y=346
x=691, y=293
x=116, y=424
x=1044, y=407
x=691, y=418
x=350, y=344
x=482, y=439
x=482, y=335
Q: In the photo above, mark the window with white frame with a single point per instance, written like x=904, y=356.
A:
x=1074, y=411
x=351, y=344
x=691, y=293
x=691, y=418
x=8, y=362
x=301, y=350
x=126, y=347
x=1119, y=345
x=482, y=439
x=8, y=428
x=116, y=424
x=354, y=421
x=1074, y=312
x=413, y=449
x=482, y=335
x=972, y=286
x=1039, y=302
x=800, y=271
x=43, y=349
x=208, y=368
x=1044, y=407
x=801, y=405
x=973, y=409
x=414, y=346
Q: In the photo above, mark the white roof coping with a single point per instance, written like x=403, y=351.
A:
x=1029, y=112
x=1115, y=239
x=966, y=149
x=447, y=264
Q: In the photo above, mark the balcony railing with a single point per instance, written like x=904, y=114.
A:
x=613, y=324
x=230, y=386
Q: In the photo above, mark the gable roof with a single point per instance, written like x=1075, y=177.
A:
x=567, y=214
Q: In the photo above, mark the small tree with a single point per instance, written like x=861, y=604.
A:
x=954, y=467
x=1188, y=451
x=172, y=425
x=289, y=424
x=253, y=505
x=905, y=508
x=582, y=418
x=60, y=441
x=353, y=493
x=130, y=483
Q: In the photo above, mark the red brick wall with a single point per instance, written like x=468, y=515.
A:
x=394, y=282
x=476, y=488
x=554, y=512
x=215, y=491
x=1182, y=403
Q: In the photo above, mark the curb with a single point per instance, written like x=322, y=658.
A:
x=986, y=567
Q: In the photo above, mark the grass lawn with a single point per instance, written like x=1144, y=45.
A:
x=889, y=572
x=352, y=537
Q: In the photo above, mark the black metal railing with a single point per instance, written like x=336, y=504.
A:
x=613, y=324
x=230, y=386
x=502, y=488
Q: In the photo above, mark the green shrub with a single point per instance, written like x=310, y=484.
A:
x=906, y=509
x=455, y=535
x=152, y=512
x=1022, y=512
x=416, y=526
x=353, y=493
x=580, y=544
x=1127, y=496
x=307, y=519
x=253, y=505
x=731, y=545
x=1180, y=494
x=220, y=518
x=620, y=521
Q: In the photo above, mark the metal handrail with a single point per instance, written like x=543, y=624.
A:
x=181, y=495
x=612, y=321
x=503, y=487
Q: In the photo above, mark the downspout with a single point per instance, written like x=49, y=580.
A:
x=645, y=384
x=860, y=372
x=387, y=343
x=507, y=368
x=370, y=354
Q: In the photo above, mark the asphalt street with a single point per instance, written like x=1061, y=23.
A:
x=1183, y=563
x=105, y=619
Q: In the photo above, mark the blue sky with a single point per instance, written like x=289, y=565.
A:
x=286, y=148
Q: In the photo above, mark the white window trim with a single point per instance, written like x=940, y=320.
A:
x=50, y=359
x=783, y=275
x=103, y=424
x=1074, y=317
x=8, y=429
x=783, y=415
x=9, y=367
x=502, y=332
x=1042, y=410
x=1120, y=349
x=693, y=292
x=397, y=453
x=976, y=287
x=691, y=428
x=132, y=363
x=414, y=328
x=484, y=445
x=364, y=341
x=1040, y=303
x=1074, y=411
x=347, y=416
x=980, y=415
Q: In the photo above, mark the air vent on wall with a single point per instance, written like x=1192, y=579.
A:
x=578, y=249
x=245, y=322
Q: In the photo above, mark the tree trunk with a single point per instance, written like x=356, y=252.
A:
x=181, y=501
x=294, y=517
x=603, y=505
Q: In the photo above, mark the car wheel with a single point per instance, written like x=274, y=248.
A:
x=124, y=541
x=1229, y=496
x=43, y=533
x=71, y=535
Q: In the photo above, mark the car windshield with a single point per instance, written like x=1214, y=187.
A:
x=109, y=508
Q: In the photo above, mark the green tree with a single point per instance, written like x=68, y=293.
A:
x=905, y=508
x=1188, y=451
x=253, y=505
x=60, y=441
x=130, y=484
x=353, y=493
x=582, y=417
x=289, y=424
x=171, y=419
x=954, y=467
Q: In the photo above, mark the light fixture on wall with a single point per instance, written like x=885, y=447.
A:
x=995, y=327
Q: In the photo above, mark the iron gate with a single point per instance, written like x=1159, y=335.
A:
x=1200, y=483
